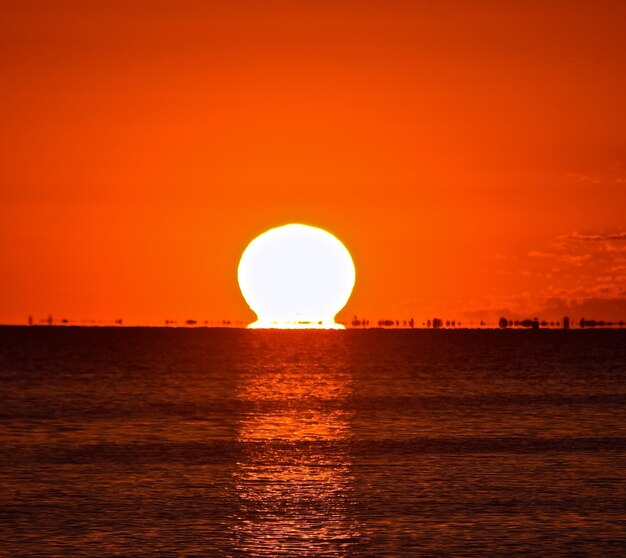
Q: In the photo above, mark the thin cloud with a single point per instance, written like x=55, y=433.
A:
x=567, y=258
x=598, y=237
x=575, y=259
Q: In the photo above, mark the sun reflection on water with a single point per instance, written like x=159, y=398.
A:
x=294, y=481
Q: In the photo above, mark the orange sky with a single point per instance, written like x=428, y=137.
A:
x=471, y=155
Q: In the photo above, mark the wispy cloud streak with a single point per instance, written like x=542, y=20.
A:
x=598, y=237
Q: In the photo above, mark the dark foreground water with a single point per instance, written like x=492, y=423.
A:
x=356, y=443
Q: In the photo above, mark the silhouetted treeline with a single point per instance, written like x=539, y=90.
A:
x=502, y=323
x=50, y=320
x=408, y=323
x=535, y=323
x=600, y=323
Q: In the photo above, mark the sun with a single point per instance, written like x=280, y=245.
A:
x=296, y=277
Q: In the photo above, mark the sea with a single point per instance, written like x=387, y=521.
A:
x=234, y=442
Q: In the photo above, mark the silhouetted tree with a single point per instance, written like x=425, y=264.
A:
x=503, y=323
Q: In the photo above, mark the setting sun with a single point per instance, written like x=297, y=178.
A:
x=296, y=276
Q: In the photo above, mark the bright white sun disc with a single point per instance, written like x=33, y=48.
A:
x=296, y=276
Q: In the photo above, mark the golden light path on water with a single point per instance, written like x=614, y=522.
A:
x=295, y=482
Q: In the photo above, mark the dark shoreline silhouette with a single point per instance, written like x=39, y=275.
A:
x=386, y=324
x=356, y=323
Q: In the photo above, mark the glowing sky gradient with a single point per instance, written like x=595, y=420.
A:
x=472, y=156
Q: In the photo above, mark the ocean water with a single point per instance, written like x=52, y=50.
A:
x=216, y=442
